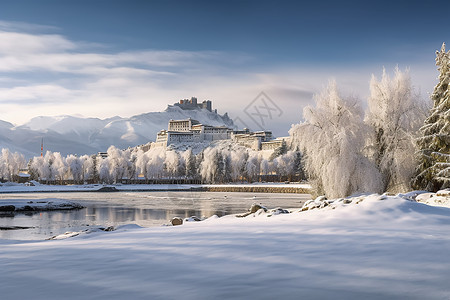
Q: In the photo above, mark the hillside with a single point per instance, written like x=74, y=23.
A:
x=77, y=135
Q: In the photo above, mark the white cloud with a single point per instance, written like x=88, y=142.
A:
x=48, y=74
x=16, y=43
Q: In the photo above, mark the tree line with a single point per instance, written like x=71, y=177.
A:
x=215, y=164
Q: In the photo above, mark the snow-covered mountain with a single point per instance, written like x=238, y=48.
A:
x=77, y=135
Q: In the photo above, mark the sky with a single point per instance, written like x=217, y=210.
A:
x=107, y=58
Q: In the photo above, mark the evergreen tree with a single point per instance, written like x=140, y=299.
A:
x=227, y=169
x=298, y=165
x=190, y=166
x=279, y=151
x=433, y=172
x=219, y=174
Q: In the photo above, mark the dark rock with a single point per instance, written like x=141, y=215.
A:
x=279, y=210
x=27, y=208
x=14, y=227
x=7, y=208
x=176, y=221
x=108, y=189
x=255, y=207
x=324, y=204
x=110, y=228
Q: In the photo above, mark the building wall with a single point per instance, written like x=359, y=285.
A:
x=190, y=131
x=249, y=141
x=180, y=125
x=272, y=145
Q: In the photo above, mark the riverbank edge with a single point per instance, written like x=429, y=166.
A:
x=228, y=189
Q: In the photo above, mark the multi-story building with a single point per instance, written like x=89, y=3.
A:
x=274, y=144
x=253, y=140
x=190, y=131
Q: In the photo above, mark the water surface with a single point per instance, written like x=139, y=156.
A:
x=142, y=208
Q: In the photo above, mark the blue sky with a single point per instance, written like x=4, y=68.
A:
x=106, y=58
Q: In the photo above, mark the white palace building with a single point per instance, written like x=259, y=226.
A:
x=191, y=131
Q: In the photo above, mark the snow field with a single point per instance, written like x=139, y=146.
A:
x=378, y=247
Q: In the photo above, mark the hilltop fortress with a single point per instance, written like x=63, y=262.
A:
x=192, y=103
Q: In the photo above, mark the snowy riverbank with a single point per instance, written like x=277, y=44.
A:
x=374, y=247
x=27, y=205
x=243, y=187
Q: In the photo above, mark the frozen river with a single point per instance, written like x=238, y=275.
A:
x=142, y=208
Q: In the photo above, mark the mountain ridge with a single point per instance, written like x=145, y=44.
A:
x=69, y=134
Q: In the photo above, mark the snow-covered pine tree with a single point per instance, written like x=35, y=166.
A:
x=433, y=172
x=227, y=169
x=298, y=165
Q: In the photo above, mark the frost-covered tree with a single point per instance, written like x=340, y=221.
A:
x=395, y=113
x=210, y=168
x=59, y=167
x=252, y=167
x=433, y=172
x=131, y=157
x=173, y=164
x=286, y=164
x=103, y=170
x=47, y=171
x=190, y=164
x=10, y=164
x=36, y=166
x=264, y=167
x=88, y=167
x=75, y=168
x=155, y=167
x=238, y=162
x=118, y=164
x=141, y=162
x=332, y=137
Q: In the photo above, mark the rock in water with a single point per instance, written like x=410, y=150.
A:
x=108, y=189
x=7, y=208
x=176, y=221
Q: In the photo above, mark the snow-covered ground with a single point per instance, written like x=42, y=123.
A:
x=22, y=188
x=368, y=247
x=37, y=205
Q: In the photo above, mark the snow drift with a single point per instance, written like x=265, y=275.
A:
x=376, y=247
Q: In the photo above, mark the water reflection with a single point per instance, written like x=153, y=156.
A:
x=141, y=208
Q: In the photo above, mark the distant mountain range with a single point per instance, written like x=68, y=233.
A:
x=76, y=135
